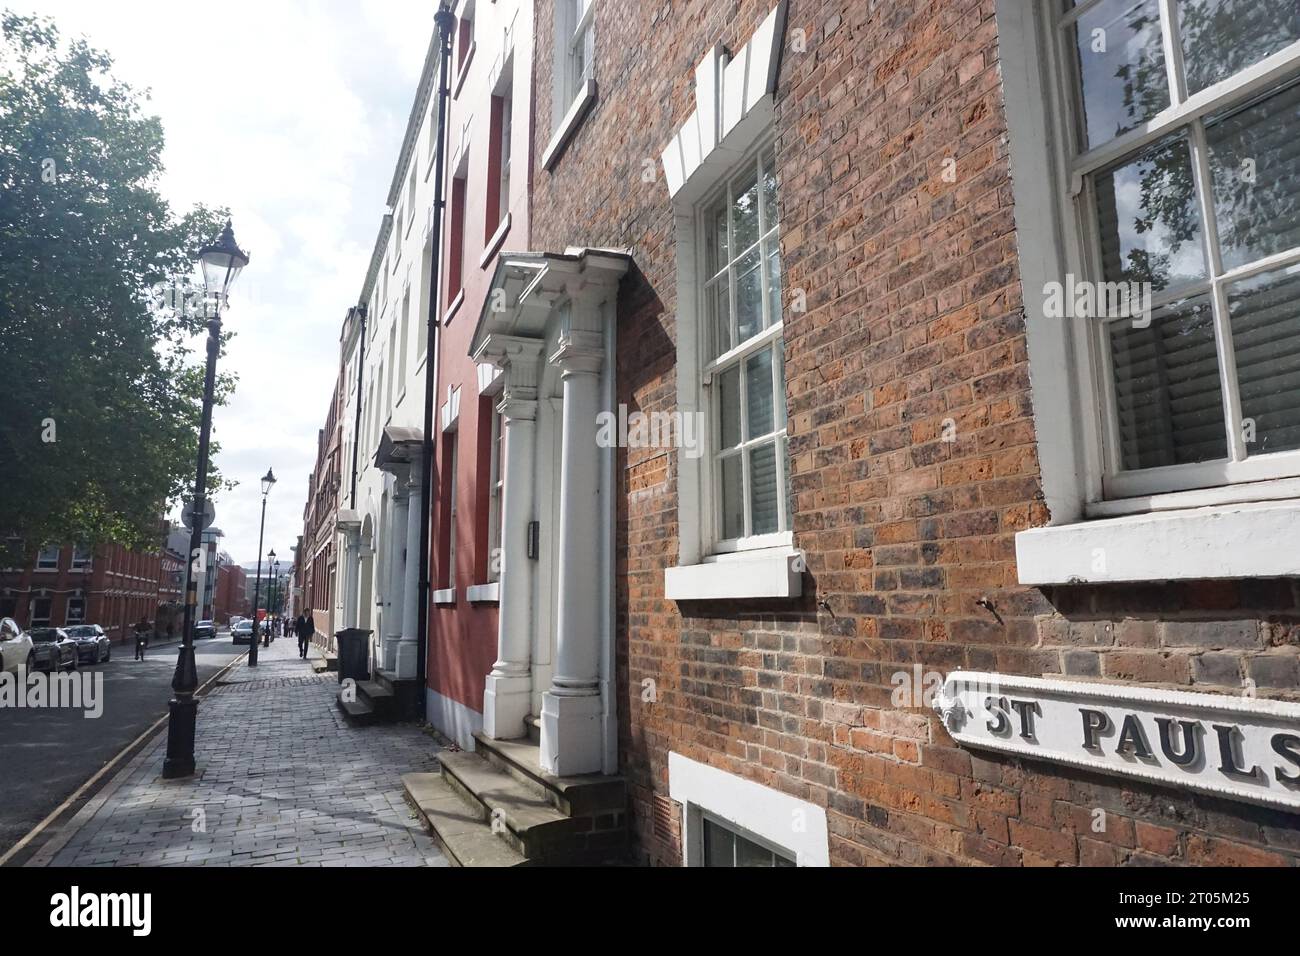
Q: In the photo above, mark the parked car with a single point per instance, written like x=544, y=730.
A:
x=53, y=648
x=15, y=647
x=93, y=645
x=234, y=619
x=242, y=633
x=205, y=629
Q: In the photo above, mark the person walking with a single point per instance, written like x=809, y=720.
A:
x=142, y=630
x=305, y=631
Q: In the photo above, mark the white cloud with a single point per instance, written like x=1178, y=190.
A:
x=291, y=113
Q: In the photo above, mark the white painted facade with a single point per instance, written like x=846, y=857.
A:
x=378, y=540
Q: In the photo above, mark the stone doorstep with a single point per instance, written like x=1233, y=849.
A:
x=528, y=822
x=586, y=795
x=464, y=837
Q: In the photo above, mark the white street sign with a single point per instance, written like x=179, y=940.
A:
x=1235, y=747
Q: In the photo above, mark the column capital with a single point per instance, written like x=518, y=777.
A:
x=579, y=353
x=517, y=404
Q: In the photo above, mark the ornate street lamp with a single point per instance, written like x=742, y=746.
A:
x=268, y=481
x=221, y=262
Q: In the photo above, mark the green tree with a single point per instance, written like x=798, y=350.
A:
x=100, y=393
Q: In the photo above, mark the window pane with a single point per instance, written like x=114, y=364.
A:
x=1121, y=67
x=1223, y=37
x=744, y=210
x=729, y=406
x=749, y=297
x=778, y=349
x=719, y=300
x=1255, y=159
x=758, y=394
x=719, y=845
x=772, y=264
x=733, y=498
x=718, y=240
x=1265, y=314
x=1169, y=403
x=762, y=490
x=751, y=854
x=770, y=208
x=1148, y=219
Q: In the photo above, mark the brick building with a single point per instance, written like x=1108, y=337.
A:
x=884, y=389
x=956, y=498
x=316, y=553
x=108, y=585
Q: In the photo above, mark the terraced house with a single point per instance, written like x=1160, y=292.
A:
x=965, y=530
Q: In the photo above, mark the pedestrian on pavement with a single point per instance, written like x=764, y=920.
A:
x=304, y=635
x=142, y=630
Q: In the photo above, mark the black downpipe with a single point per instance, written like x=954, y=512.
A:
x=444, y=20
x=356, y=440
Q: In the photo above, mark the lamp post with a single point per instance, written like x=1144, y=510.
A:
x=271, y=567
x=221, y=262
x=268, y=481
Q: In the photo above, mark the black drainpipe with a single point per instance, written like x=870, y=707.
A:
x=444, y=20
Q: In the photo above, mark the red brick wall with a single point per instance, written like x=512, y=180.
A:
x=913, y=317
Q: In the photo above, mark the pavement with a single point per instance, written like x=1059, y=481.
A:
x=46, y=755
x=283, y=780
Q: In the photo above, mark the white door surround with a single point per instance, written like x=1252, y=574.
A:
x=557, y=322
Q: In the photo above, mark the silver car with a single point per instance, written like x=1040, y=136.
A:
x=93, y=645
x=15, y=647
x=53, y=649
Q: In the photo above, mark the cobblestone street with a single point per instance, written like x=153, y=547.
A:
x=283, y=780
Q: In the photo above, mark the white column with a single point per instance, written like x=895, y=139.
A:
x=571, y=725
x=352, y=570
x=407, y=662
x=507, y=696
x=395, y=572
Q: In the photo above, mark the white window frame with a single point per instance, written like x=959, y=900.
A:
x=67, y=613
x=737, y=357
x=1151, y=536
x=578, y=33
x=81, y=558
x=43, y=563
x=1108, y=481
x=35, y=620
x=796, y=828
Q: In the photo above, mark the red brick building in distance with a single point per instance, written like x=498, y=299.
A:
x=109, y=586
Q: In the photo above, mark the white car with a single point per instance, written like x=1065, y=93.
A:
x=15, y=647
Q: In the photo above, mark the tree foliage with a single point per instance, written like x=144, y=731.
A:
x=100, y=394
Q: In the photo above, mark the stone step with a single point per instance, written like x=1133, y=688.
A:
x=578, y=796
x=331, y=662
x=464, y=837
x=405, y=689
x=524, y=819
x=534, y=725
x=358, y=711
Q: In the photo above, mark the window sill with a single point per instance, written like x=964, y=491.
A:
x=444, y=596
x=1255, y=540
x=569, y=125
x=771, y=573
x=463, y=71
x=483, y=593
x=494, y=243
x=453, y=308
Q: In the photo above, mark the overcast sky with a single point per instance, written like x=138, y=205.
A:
x=290, y=112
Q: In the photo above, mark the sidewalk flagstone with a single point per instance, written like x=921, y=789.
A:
x=283, y=780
